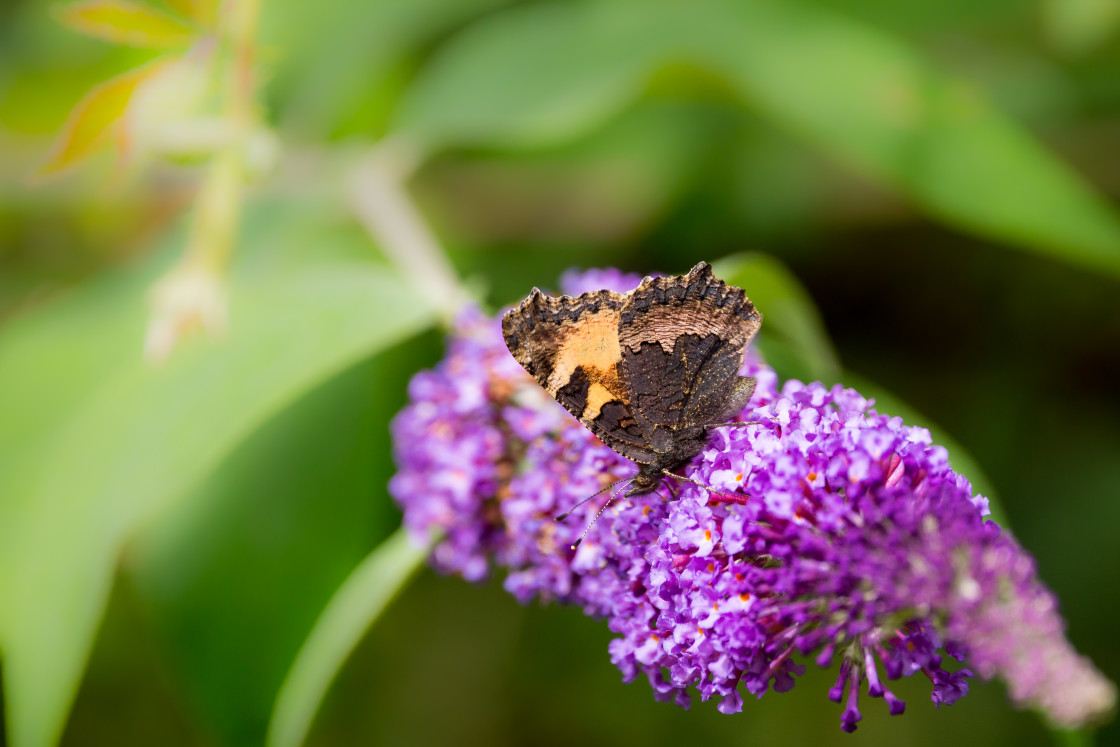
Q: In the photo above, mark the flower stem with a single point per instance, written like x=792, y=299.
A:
x=381, y=201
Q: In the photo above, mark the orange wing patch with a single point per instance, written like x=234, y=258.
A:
x=593, y=347
x=571, y=347
x=593, y=344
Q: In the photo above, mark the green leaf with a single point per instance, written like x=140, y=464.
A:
x=542, y=73
x=94, y=442
x=123, y=22
x=352, y=89
x=203, y=11
x=288, y=515
x=873, y=101
x=354, y=608
x=1078, y=26
x=528, y=77
x=97, y=118
x=789, y=316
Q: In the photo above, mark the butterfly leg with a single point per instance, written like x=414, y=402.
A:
x=737, y=425
x=682, y=478
x=724, y=497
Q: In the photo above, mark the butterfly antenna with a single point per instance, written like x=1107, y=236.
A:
x=600, y=491
x=588, y=527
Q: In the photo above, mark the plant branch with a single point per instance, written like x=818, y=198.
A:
x=381, y=202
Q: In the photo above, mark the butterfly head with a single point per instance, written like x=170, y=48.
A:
x=646, y=481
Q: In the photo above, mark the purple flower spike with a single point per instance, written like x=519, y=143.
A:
x=832, y=533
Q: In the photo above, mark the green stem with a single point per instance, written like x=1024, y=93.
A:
x=218, y=214
x=380, y=200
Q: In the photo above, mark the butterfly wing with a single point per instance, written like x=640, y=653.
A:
x=570, y=346
x=682, y=341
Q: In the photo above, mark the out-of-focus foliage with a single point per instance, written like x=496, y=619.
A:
x=795, y=341
x=356, y=605
x=845, y=87
x=796, y=344
x=125, y=22
x=932, y=183
x=97, y=119
x=132, y=436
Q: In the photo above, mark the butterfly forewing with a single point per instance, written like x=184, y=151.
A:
x=570, y=346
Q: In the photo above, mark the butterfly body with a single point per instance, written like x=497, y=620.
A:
x=650, y=372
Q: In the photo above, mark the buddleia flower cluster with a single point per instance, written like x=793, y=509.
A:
x=831, y=536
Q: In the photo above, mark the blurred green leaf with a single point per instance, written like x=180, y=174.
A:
x=133, y=438
x=528, y=77
x=272, y=532
x=354, y=608
x=1077, y=26
x=124, y=22
x=872, y=100
x=203, y=11
x=788, y=314
x=352, y=89
x=542, y=73
x=97, y=118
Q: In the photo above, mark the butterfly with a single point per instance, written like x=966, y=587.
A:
x=650, y=372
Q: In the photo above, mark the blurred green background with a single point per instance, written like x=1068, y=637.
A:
x=931, y=185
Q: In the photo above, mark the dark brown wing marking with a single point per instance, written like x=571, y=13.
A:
x=570, y=346
x=682, y=341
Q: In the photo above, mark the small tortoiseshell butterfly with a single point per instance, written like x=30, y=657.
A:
x=650, y=372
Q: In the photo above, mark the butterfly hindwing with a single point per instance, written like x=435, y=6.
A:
x=681, y=341
x=571, y=347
